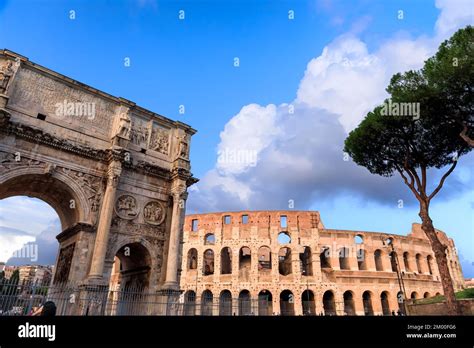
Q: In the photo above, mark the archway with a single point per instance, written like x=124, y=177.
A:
x=264, y=259
x=54, y=191
x=245, y=305
x=245, y=261
x=208, y=262
x=265, y=303
x=418, y=264
x=225, y=303
x=344, y=258
x=192, y=258
x=324, y=258
x=385, y=304
x=378, y=260
x=306, y=262
x=349, y=306
x=307, y=300
x=130, y=279
x=367, y=301
x=226, y=260
x=329, y=304
x=189, y=303
x=284, y=261
x=361, y=260
x=206, y=302
x=287, y=303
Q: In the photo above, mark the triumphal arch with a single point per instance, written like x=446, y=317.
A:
x=116, y=174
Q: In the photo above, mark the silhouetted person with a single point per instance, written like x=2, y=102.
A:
x=46, y=310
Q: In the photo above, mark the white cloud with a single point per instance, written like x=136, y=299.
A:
x=454, y=15
x=300, y=155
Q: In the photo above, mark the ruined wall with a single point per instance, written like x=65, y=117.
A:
x=336, y=271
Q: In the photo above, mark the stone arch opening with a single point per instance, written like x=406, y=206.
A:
x=378, y=260
x=65, y=196
x=192, y=258
x=226, y=260
x=344, y=259
x=329, y=304
x=359, y=239
x=385, y=304
x=324, y=258
x=393, y=261
x=284, y=238
x=418, y=263
x=349, y=306
x=62, y=193
x=429, y=261
x=209, y=239
x=245, y=262
x=225, y=303
x=306, y=262
x=287, y=303
x=414, y=295
x=284, y=261
x=367, y=301
x=308, y=304
x=361, y=260
x=426, y=295
x=189, y=303
x=208, y=262
x=38, y=248
x=406, y=261
x=245, y=304
x=130, y=279
x=265, y=303
x=264, y=259
x=207, y=299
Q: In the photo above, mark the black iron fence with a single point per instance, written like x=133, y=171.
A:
x=27, y=296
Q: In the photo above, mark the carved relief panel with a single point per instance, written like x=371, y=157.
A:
x=160, y=139
x=64, y=264
x=36, y=92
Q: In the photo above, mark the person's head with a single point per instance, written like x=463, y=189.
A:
x=49, y=309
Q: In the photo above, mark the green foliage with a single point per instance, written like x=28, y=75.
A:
x=387, y=143
x=451, y=74
x=463, y=294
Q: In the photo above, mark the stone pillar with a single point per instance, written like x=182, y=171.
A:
x=298, y=303
x=275, y=271
x=370, y=260
x=103, y=228
x=179, y=194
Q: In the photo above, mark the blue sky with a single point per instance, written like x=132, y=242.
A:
x=331, y=62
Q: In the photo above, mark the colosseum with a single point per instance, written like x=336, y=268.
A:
x=288, y=263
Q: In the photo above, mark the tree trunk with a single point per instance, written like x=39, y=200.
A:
x=439, y=250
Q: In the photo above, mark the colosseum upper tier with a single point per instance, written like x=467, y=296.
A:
x=288, y=263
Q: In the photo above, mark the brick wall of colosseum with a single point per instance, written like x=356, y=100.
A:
x=287, y=262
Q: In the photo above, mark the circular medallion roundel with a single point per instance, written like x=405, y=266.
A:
x=154, y=213
x=126, y=207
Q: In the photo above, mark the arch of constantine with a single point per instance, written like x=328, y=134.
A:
x=288, y=263
x=116, y=174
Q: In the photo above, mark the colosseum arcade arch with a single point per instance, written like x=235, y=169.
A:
x=115, y=177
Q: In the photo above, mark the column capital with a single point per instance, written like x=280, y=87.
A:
x=179, y=192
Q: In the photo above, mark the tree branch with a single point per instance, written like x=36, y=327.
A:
x=465, y=137
x=409, y=184
x=442, y=180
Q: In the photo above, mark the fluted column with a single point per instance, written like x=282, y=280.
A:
x=179, y=202
x=103, y=228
